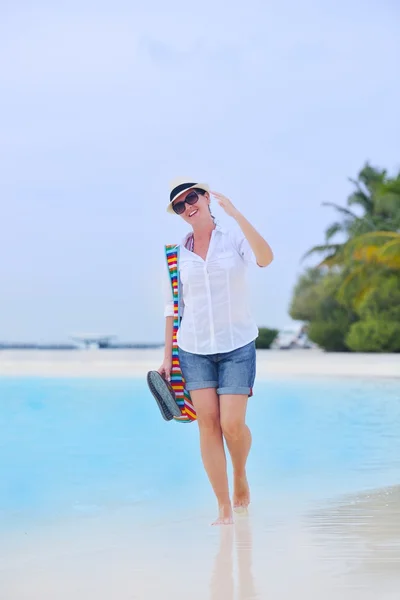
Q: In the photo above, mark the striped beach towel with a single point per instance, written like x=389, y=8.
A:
x=177, y=380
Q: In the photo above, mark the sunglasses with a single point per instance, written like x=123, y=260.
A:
x=179, y=207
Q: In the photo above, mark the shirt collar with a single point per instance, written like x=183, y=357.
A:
x=217, y=228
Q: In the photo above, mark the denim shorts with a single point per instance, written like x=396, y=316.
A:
x=229, y=372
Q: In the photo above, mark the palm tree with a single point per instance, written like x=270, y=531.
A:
x=368, y=258
x=378, y=197
x=381, y=248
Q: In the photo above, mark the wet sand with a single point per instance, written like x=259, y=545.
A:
x=136, y=363
x=347, y=549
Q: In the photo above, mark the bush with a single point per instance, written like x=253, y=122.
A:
x=374, y=335
x=265, y=337
x=329, y=335
x=383, y=301
x=308, y=294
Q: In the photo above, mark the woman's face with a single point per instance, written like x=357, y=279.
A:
x=197, y=212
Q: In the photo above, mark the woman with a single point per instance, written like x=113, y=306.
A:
x=217, y=334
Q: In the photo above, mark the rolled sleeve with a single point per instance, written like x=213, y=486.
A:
x=243, y=247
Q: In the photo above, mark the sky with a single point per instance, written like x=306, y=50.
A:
x=273, y=103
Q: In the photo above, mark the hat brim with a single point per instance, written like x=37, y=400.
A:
x=201, y=186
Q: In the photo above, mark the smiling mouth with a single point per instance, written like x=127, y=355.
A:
x=193, y=212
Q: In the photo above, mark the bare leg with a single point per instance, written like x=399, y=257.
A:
x=206, y=403
x=238, y=439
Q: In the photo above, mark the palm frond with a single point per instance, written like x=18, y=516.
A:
x=359, y=298
x=333, y=230
x=380, y=248
x=371, y=177
x=341, y=209
x=361, y=199
x=359, y=282
x=365, y=254
x=348, y=280
x=389, y=254
x=392, y=248
x=374, y=237
x=324, y=248
x=333, y=260
x=388, y=201
x=361, y=225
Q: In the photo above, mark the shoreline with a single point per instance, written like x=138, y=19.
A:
x=136, y=363
x=346, y=547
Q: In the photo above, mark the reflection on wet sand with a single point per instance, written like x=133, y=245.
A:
x=222, y=584
x=244, y=552
x=222, y=579
x=346, y=549
x=361, y=532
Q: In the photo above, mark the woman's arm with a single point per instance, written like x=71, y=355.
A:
x=169, y=329
x=260, y=247
x=165, y=369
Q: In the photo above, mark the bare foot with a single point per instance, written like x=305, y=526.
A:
x=225, y=515
x=241, y=495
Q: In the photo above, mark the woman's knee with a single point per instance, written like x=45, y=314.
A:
x=232, y=427
x=206, y=404
x=209, y=423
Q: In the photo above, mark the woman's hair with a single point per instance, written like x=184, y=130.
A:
x=202, y=192
x=199, y=191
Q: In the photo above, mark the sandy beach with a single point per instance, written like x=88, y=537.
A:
x=136, y=363
x=348, y=549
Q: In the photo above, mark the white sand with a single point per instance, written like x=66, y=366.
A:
x=135, y=363
x=346, y=550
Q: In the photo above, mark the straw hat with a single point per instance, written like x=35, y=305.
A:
x=180, y=185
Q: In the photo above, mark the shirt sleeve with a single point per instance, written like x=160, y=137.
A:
x=167, y=294
x=243, y=247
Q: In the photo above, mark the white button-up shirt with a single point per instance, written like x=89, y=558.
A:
x=215, y=309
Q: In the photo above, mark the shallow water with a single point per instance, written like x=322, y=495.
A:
x=99, y=497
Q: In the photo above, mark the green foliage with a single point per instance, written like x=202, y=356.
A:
x=378, y=197
x=314, y=297
x=383, y=301
x=314, y=300
x=374, y=335
x=331, y=334
x=266, y=337
x=306, y=295
x=351, y=300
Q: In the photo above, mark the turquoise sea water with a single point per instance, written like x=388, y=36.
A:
x=77, y=447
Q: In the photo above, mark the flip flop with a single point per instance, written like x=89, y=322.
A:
x=164, y=395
